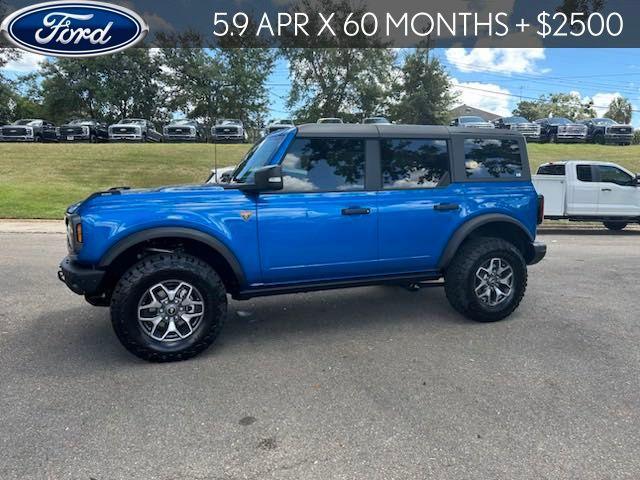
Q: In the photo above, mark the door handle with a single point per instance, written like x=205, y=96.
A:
x=606, y=190
x=356, y=211
x=446, y=207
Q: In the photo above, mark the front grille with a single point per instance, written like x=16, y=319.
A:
x=227, y=131
x=71, y=131
x=620, y=130
x=572, y=130
x=528, y=129
x=14, y=131
x=180, y=131
x=124, y=130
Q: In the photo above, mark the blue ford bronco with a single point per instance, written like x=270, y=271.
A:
x=311, y=208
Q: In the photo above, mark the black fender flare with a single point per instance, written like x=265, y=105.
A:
x=469, y=227
x=174, y=232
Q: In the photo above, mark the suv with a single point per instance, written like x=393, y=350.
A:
x=606, y=130
x=134, y=129
x=185, y=130
x=312, y=208
x=229, y=130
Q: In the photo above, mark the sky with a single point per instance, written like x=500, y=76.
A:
x=495, y=79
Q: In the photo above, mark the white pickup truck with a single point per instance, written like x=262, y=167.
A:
x=589, y=191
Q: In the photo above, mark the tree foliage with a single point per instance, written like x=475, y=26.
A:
x=424, y=92
x=568, y=105
x=620, y=110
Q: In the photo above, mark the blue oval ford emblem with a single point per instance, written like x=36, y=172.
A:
x=74, y=29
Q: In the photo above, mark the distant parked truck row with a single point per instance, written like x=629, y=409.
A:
x=557, y=129
x=546, y=130
x=126, y=130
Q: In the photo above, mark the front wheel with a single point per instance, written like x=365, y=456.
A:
x=486, y=280
x=615, y=226
x=168, y=307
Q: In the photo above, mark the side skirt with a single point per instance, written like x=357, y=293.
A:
x=424, y=280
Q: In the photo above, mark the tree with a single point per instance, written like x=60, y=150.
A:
x=424, y=93
x=8, y=93
x=330, y=80
x=569, y=105
x=620, y=110
x=221, y=82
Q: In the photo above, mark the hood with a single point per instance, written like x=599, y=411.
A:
x=126, y=125
x=477, y=124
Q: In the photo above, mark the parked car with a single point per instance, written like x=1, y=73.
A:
x=589, y=191
x=376, y=120
x=185, y=130
x=230, y=130
x=561, y=130
x=83, y=130
x=276, y=125
x=471, y=122
x=330, y=120
x=606, y=130
x=134, y=130
x=221, y=175
x=316, y=207
x=530, y=130
x=29, y=130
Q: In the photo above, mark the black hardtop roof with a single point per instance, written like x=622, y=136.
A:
x=379, y=130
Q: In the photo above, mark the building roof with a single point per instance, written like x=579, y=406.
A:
x=464, y=110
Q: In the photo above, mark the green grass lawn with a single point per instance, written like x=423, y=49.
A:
x=40, y=181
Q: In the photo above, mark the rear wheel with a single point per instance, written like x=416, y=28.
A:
x=168, y=307
x=486, y=280
x=615, y=226
x=599, y=139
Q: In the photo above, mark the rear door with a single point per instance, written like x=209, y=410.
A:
x=323, y=225
x=418, y=207
x=619, y=194
x=583, y=192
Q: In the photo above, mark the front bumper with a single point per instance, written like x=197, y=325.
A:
x=618, y=138
x=20, y=138
x=571, y=138
x=539, y=252
x=80, y=279
x=125, y=138
x=180, y=138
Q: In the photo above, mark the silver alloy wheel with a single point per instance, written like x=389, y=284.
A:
x=170, y=311
x=494, y=282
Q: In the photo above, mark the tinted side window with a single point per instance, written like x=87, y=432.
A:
x=584, y=173
x=414, y=163
x=552, y=169
x=491, y=158
x=614, y=175
x=324, y=164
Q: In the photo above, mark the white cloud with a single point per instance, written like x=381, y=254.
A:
x=497, y=60
x=601, y=101
x=485, y=96
x=27, y=63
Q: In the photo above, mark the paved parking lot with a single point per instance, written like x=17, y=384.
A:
x=371, y=383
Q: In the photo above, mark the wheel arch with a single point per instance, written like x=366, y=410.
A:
x=495, y=225
x=125, y=252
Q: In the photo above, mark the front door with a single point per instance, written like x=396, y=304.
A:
x=323, y=225
x=619, y=194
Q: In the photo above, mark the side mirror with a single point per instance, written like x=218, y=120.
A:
x=638, y=179
x=268, y=178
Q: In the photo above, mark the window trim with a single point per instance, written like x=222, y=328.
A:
x=460, y=171
x=440, y=185
x=593, y=171
x=365, y=141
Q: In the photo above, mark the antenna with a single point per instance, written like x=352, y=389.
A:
x=215, y=158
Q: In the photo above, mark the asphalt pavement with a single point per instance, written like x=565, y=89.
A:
x=369, y=383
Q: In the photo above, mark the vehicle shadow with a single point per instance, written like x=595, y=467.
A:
x=590, y=231
x=82, y=339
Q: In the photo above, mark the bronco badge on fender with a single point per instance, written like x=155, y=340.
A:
x=74, y=29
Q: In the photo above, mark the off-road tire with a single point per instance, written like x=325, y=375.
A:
x=615, y=226
x=460, y=278
x=154, y=269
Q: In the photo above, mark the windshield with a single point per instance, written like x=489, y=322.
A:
x=27, y=122
x=229, y=122
x=559, y=121
x=515, y=120
x=376, y=120
x=135, y=121
x=604, y=122
x=81, y=122
x=471, y=120
x=257, y=157
x=184, y=121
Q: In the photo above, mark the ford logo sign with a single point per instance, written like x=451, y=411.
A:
x=74, y=29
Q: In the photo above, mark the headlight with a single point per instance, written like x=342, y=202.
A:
x=29, y=131
x=85, y=130
x=58, y=131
